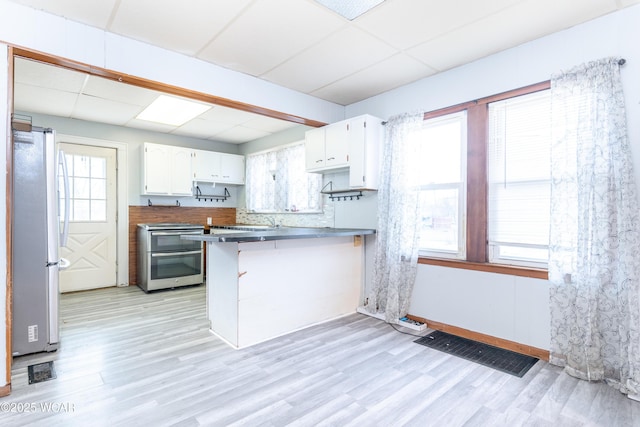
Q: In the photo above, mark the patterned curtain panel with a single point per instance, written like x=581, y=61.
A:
x=594, y=235
x=277, y=182
x=396, y=256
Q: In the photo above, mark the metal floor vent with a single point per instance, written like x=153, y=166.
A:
x=497, y=358
x=41, y=372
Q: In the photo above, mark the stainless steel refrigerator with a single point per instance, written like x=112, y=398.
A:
x=36, y=234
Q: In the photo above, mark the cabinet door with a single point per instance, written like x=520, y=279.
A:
x=156, y=167
x=365, y=141
x=336, y=145
x=232, y=168
x=357, y=153
x=314, y=149
x=181, y=171
x=206, y=166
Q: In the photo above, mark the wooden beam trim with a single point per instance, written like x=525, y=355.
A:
x=487, y=339
x=476, y=202
x=8, y=212
x=535, y=273
x=536, y=87
x=5, y=390
x=162, y=87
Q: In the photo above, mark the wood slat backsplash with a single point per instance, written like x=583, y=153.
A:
x=151, y=214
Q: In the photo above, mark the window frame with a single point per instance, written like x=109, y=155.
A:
x=460, y=254
x=477, y=256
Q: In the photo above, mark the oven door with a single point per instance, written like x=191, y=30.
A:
x=171, y=269
x=170, y=241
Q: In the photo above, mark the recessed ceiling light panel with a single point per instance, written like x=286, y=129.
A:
x=172, y=111
x=350, y=9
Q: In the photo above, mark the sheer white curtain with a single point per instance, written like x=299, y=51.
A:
x=278, y=182
x=594, y=235
x=396, y=254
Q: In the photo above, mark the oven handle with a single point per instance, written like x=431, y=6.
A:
x=175, y=253
x=173, y=233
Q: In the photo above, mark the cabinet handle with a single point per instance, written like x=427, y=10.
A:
x=319, y=161
x=331, y=158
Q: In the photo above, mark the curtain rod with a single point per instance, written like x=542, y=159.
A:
x=621, y=62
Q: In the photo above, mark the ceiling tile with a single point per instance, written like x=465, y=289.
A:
x=238, y=135
x=407, y=23
x=96, y=109
x=48, y=76
x=504, y=30
x=343, y=53
x=94, y=13
x=268, y=33
x=201, y=128
x=117, y=91
x=226, y=115
x=267, y=124
x=374, y=80
x=33, y=99
x=184, y=26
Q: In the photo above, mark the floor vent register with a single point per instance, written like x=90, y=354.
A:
x=41, y=372
x=497, y=358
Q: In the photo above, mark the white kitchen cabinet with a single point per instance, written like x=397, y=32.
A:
x=166, y=170
x=365, y=142
x=354, y=144
x=261, y=290
x=209, y=166
x=326, y=148
x=232, y=168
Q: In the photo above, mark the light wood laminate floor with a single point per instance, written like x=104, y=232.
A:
x=128, y=358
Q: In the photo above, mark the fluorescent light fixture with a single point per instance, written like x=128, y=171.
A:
x=350, y=9
x=172, y=111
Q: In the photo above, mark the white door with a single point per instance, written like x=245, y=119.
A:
x=91, y=247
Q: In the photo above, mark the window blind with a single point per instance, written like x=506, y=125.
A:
x=519, y=172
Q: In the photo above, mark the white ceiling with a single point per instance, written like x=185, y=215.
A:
x=46, y=89
x=301, y=45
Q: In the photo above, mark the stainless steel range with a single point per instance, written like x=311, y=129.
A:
x=167, y=261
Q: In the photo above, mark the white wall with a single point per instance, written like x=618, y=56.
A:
x=504, y=306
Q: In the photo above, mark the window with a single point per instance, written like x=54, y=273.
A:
x=442, y=186
x=277, y=182
x=485, y=189
x=519, y=179
x=87, y=188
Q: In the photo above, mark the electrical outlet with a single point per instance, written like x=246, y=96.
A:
x=209, y=220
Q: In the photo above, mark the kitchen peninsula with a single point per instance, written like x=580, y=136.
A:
x=263, y=282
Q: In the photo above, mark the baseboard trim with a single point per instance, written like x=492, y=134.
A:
x=5, y=390
x=487, y=339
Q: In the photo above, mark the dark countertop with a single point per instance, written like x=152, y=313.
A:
x=249, y=234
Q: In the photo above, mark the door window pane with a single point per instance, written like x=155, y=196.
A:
x=87, y=188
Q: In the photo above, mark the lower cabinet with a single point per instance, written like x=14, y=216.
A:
x=262, y=290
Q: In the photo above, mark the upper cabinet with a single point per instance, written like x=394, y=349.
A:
x=166, y=170
x=353, y=143
x=326, y=148
x=223, y=168
x=365, y=143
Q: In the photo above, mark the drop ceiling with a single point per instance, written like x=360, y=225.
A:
x=301, y=45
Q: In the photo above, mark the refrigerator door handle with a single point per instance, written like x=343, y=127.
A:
x=65, y=176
